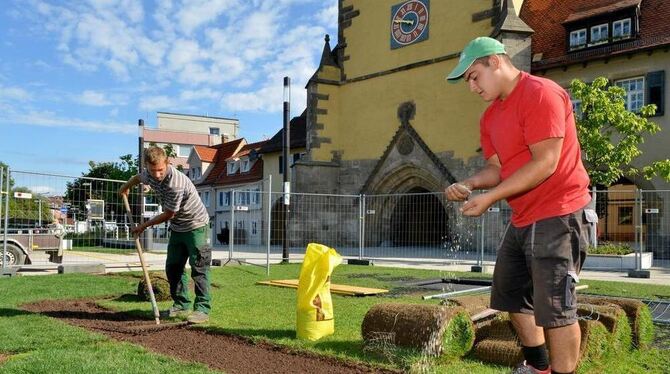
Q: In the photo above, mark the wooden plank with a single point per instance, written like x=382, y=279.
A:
x=339, y=289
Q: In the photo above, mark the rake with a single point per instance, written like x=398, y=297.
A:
x=138, y=246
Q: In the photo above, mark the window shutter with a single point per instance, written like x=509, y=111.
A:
x=656, y=90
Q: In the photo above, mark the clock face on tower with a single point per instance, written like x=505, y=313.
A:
x=409, y=23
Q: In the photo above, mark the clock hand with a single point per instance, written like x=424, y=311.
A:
x=407, y=21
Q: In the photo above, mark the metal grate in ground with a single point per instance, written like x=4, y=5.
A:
x=660, y=310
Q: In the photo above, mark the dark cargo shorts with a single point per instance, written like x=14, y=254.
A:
x=538, y=266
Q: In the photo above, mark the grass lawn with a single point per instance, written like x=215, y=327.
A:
x=41, y=344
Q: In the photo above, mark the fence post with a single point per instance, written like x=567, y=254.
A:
x=361, y=224
x=231, y=233
x=639, y=232
x=481, y=248
x=4, y=245
x=267, y=263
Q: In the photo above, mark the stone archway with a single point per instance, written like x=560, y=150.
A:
x=419, y=219
x=404, y=220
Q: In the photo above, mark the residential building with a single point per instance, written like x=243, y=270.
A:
x=627, y=42
x=231, y=187
x=184, y=131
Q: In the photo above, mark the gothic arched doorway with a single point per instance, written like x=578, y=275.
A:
x=419, y=218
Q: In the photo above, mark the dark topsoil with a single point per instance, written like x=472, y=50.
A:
x=231, y=354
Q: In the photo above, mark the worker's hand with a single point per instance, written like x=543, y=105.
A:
x=458, y=191
x=477, y=205
x=137, y=230
x=123, y=191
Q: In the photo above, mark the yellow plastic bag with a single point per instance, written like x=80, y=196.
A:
x=315, y=306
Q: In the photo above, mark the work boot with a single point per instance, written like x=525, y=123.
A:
x=174, y=312
x=198, y=317
x=524, y=368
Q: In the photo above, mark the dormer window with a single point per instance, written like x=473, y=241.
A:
x=246, y=165
x=578, y=39
x=233, y=166
x=599, y=34
x=621, y=29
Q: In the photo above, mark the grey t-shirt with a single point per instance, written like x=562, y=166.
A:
x=177, y=193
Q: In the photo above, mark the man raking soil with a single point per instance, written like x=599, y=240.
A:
x=188, y=234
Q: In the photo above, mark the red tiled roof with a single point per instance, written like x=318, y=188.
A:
x=607, y=8
x=225, y=150
x=547, y=18
x=219, y=174
x=206, y=154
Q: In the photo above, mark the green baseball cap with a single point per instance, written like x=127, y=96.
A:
x=479, y=47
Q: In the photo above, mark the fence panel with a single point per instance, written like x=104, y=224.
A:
x=56, y=219
x=655, y=218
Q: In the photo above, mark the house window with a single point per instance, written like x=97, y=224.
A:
x=214, y=131
x=256, y=196
x=281, y=164
x=621, y=29
x=634, y=88
x=245, y=165
x=221, y=198
x=625, y=215
x=578, y=39
x=254, y=230
x=183, y=150
x=226, y=199
x=599, y=34
x=196, y=173
x=232, y=167
x=205, y=198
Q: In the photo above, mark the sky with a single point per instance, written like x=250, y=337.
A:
x=76, y=76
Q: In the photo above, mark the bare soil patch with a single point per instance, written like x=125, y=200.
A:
x=232, y=354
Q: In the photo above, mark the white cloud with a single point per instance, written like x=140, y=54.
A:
x=200, y=12
x=156, y=103
x=48, y=119
x=328, y=15
x=14, y=94
x=94, y=98
x=206, y=93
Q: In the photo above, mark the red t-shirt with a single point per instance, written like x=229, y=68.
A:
x=537, y=109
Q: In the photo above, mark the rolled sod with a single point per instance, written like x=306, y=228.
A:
x=160, y=286
x=432, y=329
x=501, y=352
x=614, y=318
x=496, y=329
x=595, y=340
x=639, y=317
x=473, y=304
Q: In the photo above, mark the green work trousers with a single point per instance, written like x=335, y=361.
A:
x=191, y=246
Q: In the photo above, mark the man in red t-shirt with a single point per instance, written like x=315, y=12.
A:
x=533, y=160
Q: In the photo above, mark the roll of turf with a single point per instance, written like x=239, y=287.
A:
x=614, y=318
x=639, y=317
x=432, y=329
x=473, y=304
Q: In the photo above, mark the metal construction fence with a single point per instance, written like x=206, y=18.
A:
x=48, y=219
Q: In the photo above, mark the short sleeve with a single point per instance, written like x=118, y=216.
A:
x=485, y=138
x=543, y=115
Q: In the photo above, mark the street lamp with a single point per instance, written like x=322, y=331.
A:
x=287, y=174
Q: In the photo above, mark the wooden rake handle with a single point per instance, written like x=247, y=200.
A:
x=140, y=253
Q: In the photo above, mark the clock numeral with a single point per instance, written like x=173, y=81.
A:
x=409, y=6
x=397, y=33
x=420, y=26
x=422, y=18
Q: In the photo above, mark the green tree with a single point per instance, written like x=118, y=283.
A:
x=609, y=134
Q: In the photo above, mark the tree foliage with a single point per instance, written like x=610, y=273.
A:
x=609, y=134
